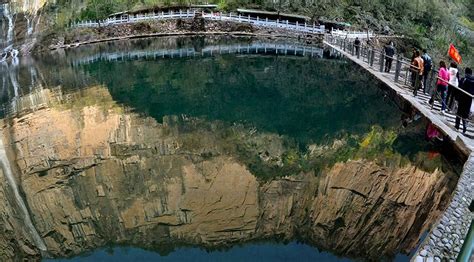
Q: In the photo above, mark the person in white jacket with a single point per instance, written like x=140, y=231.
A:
x=453, y=83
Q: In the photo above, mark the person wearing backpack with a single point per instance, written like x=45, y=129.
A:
x=428, y=65
x=464, y=100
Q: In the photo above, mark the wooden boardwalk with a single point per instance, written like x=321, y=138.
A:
x=373, y=63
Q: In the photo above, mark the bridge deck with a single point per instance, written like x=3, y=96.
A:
x=444, y=122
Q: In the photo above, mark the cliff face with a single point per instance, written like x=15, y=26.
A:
x=15, y=241
x=94, y=174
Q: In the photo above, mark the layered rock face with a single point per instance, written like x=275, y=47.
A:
x=92, y=174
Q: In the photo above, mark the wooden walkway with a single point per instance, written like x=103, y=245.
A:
x=398, y=80
x=217, y=16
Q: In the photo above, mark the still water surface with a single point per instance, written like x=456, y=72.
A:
x=215, y=142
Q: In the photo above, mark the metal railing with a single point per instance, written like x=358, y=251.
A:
x=405, y=73
x=264, y=22
x=352, y=34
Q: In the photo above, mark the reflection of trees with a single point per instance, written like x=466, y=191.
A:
x=306, y=99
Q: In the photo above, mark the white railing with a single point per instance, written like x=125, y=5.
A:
x=284, y=24
x=352, y=34
x=254, y=48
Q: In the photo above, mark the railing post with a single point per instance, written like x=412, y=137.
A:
x=248, y=18
x=257, y=18
x=240, y=17
x=398, y=67
x=381, y=61
x=277, y=22
x=372, y=56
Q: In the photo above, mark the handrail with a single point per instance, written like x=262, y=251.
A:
x=467, y=248
x=303, y=27
x=458, y=88
x=403, y=61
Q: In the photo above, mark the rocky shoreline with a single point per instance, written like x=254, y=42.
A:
x=75, y=37
x=446, y=238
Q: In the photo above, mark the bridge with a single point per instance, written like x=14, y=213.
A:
x=446, y=236
x=217, y=16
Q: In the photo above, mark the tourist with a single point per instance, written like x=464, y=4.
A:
x=413, y=55
x=453, y=84
x=464, y=100
x=428, y=64
x=357, y=46
x=441, y=85
x=417, y=71
x=389, y=53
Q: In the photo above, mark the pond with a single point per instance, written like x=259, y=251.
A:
x=218, y=148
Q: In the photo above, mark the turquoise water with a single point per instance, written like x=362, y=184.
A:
x=250, y=252
x=278, y=115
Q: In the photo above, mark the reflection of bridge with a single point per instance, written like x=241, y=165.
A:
x=373, y=61
x=254, y=48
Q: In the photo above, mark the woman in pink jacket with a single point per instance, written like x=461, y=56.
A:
x=441, y=85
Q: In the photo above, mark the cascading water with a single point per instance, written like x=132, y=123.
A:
x=26, y=216
x=29, y=20
x=8, y=44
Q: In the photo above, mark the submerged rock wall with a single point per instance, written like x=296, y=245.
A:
x=92, y=174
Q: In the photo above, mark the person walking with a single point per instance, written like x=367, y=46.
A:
x=417, y=71
x=441, y=86
x=464, y=100
x=428, y=65
x=453, y=83
x=357, y=46
x=389, y=53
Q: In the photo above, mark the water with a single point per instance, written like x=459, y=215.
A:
x=179, y=145
x=249, y=252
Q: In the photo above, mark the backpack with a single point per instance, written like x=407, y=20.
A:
x=428, y=62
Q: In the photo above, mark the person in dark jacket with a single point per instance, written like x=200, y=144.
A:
x=389, y=53
x=428, y=64
x=464, y=100
x=357, y=46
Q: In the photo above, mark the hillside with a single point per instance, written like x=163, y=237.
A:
x=430, y=24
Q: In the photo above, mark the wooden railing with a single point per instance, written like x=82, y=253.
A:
x=284, y=24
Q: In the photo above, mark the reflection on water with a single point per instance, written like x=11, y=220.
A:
x=250, y=252
x=215, y=150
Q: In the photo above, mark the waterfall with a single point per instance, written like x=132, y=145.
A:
x=31, y=17
x=26, y=216
x=9, y=16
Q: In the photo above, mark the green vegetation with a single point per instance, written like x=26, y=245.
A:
x=429, y=24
